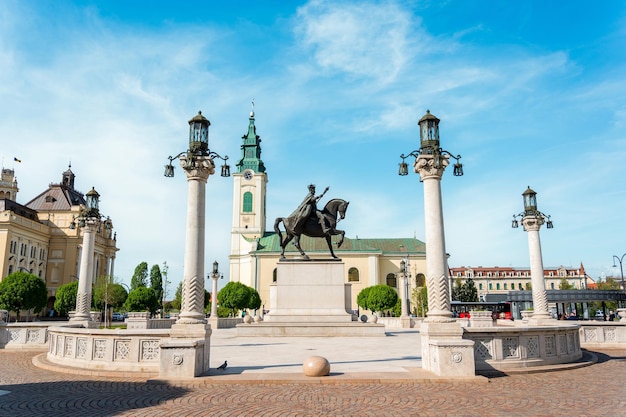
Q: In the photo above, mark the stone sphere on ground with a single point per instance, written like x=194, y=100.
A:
x=316, y=366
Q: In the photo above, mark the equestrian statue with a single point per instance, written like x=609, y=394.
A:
x=308, y=220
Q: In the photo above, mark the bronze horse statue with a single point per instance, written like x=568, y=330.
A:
x=334, y=211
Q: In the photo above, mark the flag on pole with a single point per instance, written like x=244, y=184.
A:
x=17, y=160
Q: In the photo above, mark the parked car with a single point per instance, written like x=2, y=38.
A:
x=117, y=317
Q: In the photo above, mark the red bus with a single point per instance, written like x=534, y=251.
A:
x=499, y=310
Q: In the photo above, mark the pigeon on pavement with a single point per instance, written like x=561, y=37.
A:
x=223, y=366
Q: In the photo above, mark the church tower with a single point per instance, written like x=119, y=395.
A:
x=248, y=206
x=8, y=185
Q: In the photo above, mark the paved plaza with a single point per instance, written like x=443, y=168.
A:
x=375, y=376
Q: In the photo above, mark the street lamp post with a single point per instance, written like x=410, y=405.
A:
x=430, y=163
x=532, y=220
x=89, y=221
x=215, y=274
x=403, y=285
x=444, y=351
x=621, y=268
x=197, y=162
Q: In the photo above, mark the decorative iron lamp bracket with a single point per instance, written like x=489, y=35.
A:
x=535, y=213
x=192, y=158
x=437, y=153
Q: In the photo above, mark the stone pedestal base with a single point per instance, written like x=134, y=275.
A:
x=187, y=353
x=444, y=351
x=309, y=291
x=310, y=298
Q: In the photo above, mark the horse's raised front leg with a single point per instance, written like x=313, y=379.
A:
x=343, y=235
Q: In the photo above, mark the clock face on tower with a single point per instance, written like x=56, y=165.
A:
x=247, y=175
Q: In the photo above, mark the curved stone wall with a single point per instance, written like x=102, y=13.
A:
x=513, y=347
x=103, y=349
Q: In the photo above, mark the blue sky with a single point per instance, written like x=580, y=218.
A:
x=529, y=93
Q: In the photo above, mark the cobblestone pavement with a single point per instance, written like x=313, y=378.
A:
x=596, y=390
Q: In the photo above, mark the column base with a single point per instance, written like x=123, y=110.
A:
x=444, y=351
x=187, y=353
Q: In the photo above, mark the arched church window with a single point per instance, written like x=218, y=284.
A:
x=353, y=275
x=247, y=202
x=391, y=280
x=420, y=280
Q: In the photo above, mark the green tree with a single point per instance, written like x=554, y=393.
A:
x=141, y=299
x=420, y=297
x=465, y=291
x=254, y=301
x=234, y=296
x=178, y=297
x=610, y=283
x=361, y=298
x=564, y=285
x=23, y=291
x=110, y=294
x=140, y=277
x=469, y=293
x=381, y=297
x=66, y=298
x=156, y=283
x=397, y=309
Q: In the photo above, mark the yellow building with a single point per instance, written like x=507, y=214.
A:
x=38, y=237
x=255, y=251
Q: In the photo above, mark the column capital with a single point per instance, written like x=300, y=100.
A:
x=532, y=223
x=431, y=166
x=197, y=168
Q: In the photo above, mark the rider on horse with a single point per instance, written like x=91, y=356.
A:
x=308, y=207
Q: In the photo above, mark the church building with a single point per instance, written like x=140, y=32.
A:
x=255, y=251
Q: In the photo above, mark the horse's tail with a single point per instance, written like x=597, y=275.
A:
x=277, y=230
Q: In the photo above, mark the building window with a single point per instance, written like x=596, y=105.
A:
x=420, y=280
x=480, y=286
x=353, y=275
x=274, y=275
x=505, y=286
x=489, y=274
x=519, y=286
x=552, y=285
x=247, y=202
x=391, y=280
x=497, y=286
x=490, y=286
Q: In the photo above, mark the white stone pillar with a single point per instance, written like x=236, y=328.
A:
x=198, y=171
x=437, y=275
x=85, y=276
x=532, y=224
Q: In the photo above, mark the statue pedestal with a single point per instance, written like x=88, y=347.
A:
x=310, y=298
x=307, y=291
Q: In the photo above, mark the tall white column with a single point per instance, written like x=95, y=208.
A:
x=198, y=171
x=532, y=224
x=437, y=274
x=85, y=275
